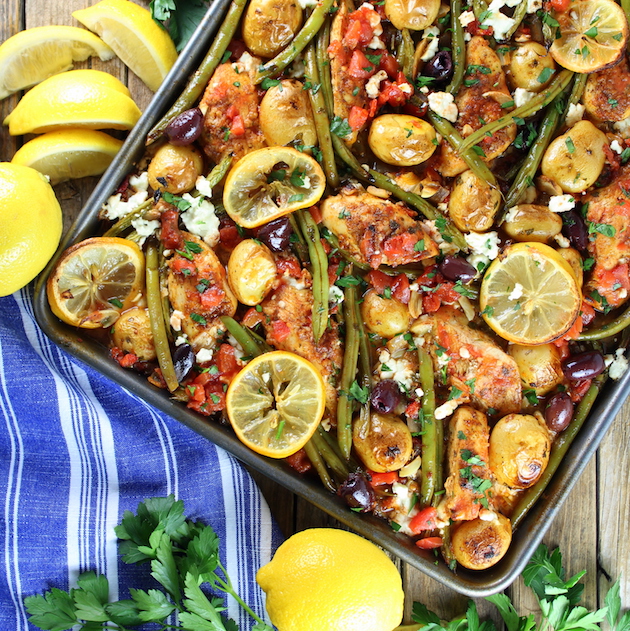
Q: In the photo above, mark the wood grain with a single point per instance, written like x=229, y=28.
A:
x=592, y=527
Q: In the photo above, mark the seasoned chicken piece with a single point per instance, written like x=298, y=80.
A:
x=467, y=465
x=606, y=95
x=230, y=106
x=376, y=231
x=288, y=327
x=475, y=365
x=198, y=292
x=479, y=104
x=609, y=245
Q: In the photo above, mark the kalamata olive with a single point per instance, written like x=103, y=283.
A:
x=559, y=411
x=439, y=67
x=583, y=365
x=186, y=127
x=276, y=234
x=357, y=492
x=456, y=268
x=183, y=361
x=574, y=229
x=386, y=396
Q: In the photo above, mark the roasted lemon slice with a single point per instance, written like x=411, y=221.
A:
x=276, y=403
x=95, y=280
x=271, y=182
x=529, y=295
x=592, y=35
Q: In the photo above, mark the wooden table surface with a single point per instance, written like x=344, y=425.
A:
x=592, y=529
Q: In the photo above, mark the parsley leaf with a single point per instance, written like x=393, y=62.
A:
x=179, y=17
x=340, y=127
x=359, y=393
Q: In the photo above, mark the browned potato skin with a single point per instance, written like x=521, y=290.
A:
x=478, y=544
x=473, y=106
x=529, y=222
x=251, y=271
x=473, y=203
x=386, y=317
x=178, y=166
x=269, y=25
x=286, y=114
x=540, y=367
x=526, y=64
x=386, y=446
x=132, y=333
x=519, y=450
x=369, y=227
x=606, y=95
x=401, y=139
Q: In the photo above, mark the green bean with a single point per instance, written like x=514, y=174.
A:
x=125, y=222
x=519, y=15
x=242, y=336
x=298, y=243
x=323, y=66
x=348, y=372
x=319, y=268
x=262, y=343
x=447, y=551
x=320, y=115
x=312, y=25
x=557, y=86
x=606, y=330
x=432, y=434
x=458, y=48
x=375, y=178
x=166, y=303
x=625, y=5
x=319, y=464
x=579, y=84
x=158, y=329
x=219, y=171
x=526, y=173
x=480, y=7
x=334, y=462
x=405, y=52
x=558, y=450
x=201, y=76
x=474, y=162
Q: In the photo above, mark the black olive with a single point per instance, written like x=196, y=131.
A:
x=183, y=361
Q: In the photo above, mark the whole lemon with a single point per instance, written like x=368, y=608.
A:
x=324, y=579
x=30, y=225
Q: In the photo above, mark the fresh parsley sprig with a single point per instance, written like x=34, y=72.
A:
x=182, y=554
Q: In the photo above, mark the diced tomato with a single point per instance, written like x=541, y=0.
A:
x=359, y=31
x=383, y=479
x=360, y=66
x=252, y=317
x=237, y=48
x=578, y=389
x=212, y=297
x=196, y=393
x=587, y=313
x=560, y=5
x=400, y=245
x=389, y=64
x=379, y=280
x=126, y=360
x=423, y=520
x=229, y=235
x=474, y=28
x=393, y=95
x=429, y=543
x=315, y=214
x=444, y=293
x=299, y=461
x=280, y=330
x=157, y=379
x=238, y=127
x=181, y=265
x=290, y=266
x=226, y=360
x=373, y=108
x=412, y=410
x=170, y=234
x=357, y=117
x=400, y=288
x=232, y=111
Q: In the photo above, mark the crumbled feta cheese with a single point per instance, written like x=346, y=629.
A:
x=114, y=208
x=376, y=43
x=574, y=114
x=419, y=392
x=307, y=3
x=485, y=514
x=203, y=186
x=203, y=355
x=500, y=22
x=246, y=63
x=399, y=370
x=484, y=244
x=374, y=83
x=176, y=320
x=201, y=220
x=403, y=495
x=293, y=282
x=616, y=147
x=517, y=292
x=443, y=104
x=618, y=365
x=446, y=409
x=181, y=339
x=561, y=203
x=373, y=18
x=406, y=88
x=623, y=127
x=335, y=295
x=238, y=349
x=140, y=182
x=431, y=34
x=466, y=18
x=467, y=36
x=464, y=353
x=144, y=228
x=562, y=241
x=534, y=5
x=521, y=96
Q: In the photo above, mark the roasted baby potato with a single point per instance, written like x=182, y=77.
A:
x=132, y=333
x=402, y=140
x=175, y=168
x=528, y=222
x=269, y=25
x=412, y=14
x=251, y=272
x=574, y=259
x=473, y=203
x=480, y=544
x=386, y=317
x=519, y=450
x=529, y=64
x=286, y=114
x=576, y=158
x=385, y=445
x=539, y=366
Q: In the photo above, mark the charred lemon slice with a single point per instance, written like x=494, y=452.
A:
x=529, y=295
x=271, y=182
x=276, y=403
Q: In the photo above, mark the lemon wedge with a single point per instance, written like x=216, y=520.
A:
x=74, y=99
x=37, y=53
x=140, y=42
x=68, y=154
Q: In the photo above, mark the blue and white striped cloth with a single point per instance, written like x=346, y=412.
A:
x=76, y=451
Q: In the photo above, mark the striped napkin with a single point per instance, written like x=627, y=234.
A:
x=76, y=451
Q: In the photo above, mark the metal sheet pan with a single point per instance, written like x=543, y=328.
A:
x=86, y=349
